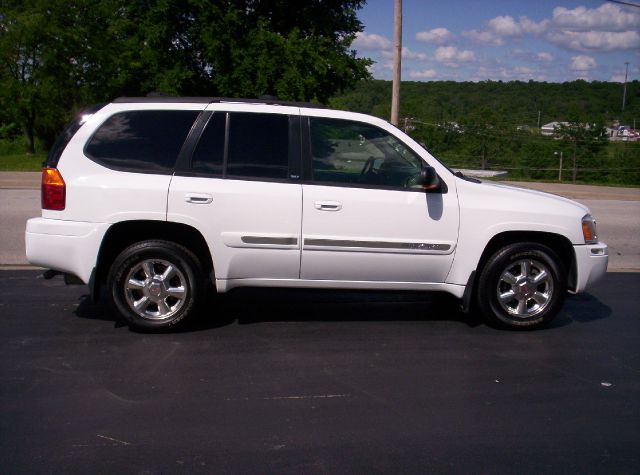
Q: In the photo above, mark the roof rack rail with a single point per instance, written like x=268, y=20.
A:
x=269, y=100
x=167, y=99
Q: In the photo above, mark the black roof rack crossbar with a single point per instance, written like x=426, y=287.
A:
x=209, y=100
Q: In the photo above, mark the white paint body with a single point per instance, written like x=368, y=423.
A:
x=303, y=234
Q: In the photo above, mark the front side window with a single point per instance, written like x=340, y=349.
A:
x=147, y=140
x=348, y=152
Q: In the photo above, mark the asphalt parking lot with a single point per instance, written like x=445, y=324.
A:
x=318, y=382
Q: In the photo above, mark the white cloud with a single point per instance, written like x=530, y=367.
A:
x=407, y=54
x=451, y=53
x=607, y=17
x=583, y=63
x=366, y=41
x=606, y=28
x=530, y=26
x=617, y=78
x=485, y=36
x=504, y=26
x=437, y=36
x=544, y=56
x=595, y=40
x=426, y=74
x=523, y=70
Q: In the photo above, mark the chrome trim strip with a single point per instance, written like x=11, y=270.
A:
x=408, y=246
x=278, y=241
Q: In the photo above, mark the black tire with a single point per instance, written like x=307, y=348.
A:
x=532, y=281
x=155, y=285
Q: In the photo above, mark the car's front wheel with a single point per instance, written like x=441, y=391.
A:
x=155, y=285
x=522, y=285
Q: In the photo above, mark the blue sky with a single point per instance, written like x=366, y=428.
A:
x=543, y=40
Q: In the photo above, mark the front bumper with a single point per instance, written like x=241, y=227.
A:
x=66, y=246
x=591, y=264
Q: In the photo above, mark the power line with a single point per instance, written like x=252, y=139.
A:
x=624, y=3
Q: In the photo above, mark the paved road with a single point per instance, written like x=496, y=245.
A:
x=337, y=382
x=16, y=206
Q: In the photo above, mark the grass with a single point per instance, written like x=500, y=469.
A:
x=21, y=162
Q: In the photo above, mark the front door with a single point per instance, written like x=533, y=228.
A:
x=364, y=216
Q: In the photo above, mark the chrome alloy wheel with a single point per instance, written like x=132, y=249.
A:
x=155, y=289
x=525, y=288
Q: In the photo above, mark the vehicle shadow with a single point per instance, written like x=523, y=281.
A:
x=89, y=310
x=248, y=306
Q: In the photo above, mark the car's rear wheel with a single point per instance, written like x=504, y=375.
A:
x=522, y=285
x=155, y=285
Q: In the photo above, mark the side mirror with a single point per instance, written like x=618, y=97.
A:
x=429, y=179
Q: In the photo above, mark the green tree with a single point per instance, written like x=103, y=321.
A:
x=585, y=139
x=26, y=81
x=296, y=52
x=57, y=56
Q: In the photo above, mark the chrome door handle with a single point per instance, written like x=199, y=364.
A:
x=198, y=198
x=328, y=205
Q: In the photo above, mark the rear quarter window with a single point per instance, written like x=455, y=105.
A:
x=141, y=141
x=67, y=134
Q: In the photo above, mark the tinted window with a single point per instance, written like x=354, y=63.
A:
x=141, y=140
x=258, y=146
x=357, y=153
x=208, y=156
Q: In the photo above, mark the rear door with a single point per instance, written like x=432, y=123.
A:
x=239, y=188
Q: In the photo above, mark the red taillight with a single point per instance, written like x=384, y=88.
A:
x=53, y=190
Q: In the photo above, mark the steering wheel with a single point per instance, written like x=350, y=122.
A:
x=368, y=166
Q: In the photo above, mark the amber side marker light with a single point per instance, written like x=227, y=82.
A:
x=54, y=190
x=589, y=230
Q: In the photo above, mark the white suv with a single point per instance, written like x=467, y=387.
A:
x=160, y=197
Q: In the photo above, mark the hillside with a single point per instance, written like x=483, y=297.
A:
x=493, y=125
x=515, y=103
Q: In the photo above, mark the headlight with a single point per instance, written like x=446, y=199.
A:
x=589, y=230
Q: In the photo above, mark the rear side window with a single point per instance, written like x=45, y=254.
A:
x=141, y=141
x=67, y=134
x=258, y=146
x=244, y=145
x=208, y=157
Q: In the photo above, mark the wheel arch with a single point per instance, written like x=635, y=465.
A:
x=556, y=242
x=125, y=233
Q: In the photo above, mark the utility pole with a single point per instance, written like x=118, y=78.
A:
x=624, y=93
x=560, y=168
x=538, y=120
x=397, y=61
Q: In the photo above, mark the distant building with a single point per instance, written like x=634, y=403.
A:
x=622, y=132
x=550, y=128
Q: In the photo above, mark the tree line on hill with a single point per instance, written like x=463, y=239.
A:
x=495, y=125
